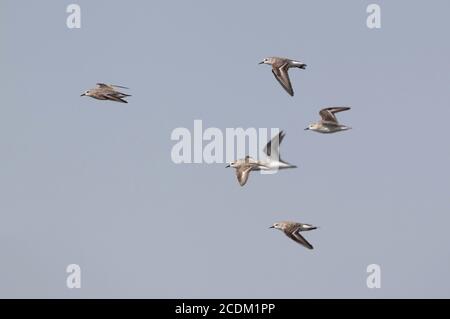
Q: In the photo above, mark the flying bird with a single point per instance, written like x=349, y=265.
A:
x=280, y=68
x=293, y=229
x=107, y=92
x=329, y=122
x=272, y=163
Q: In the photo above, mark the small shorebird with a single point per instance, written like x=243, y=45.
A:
x=293, y=229
x=280, y=68
x=272, y=163
x=329, y=122
x=107, y=92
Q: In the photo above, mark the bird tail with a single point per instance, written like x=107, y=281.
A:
x=299, y=65
x=288, y=165
x=310, y=227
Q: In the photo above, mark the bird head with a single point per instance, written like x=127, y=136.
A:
x=267, y=61
x=231, y=164
x=312, y=127
x=278, y=225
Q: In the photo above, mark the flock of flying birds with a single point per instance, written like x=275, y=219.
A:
x=243, y=167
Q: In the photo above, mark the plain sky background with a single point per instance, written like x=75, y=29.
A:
x=92, y=182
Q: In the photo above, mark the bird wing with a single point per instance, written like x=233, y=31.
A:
x=295, y=236
x=120, y=94
x=242, y=174
x=328, y=114
x=114, y=97
x=275, y=144
x=110, y=86
x=282, y=76
x=104, y=86
x=119, y=86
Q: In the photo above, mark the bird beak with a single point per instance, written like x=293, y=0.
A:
x=83, y=94
x=262, y=62
x=271, y=227
x=307, y=129
x=227, y=166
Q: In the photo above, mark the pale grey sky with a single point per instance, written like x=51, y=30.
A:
x=92, y=183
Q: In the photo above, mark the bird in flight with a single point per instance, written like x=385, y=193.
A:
x=293, y=229
x=107, y=92
x=329, y=122
x=280, y=68
x=272, y=163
